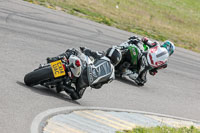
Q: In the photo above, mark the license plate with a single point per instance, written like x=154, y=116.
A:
x=57, y=68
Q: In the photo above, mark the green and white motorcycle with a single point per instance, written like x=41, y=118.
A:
x=139, y=57
x=132, y=52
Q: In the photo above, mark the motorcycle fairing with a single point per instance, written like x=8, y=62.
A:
x=157, y=56
x=145, y=47
x=134, y=54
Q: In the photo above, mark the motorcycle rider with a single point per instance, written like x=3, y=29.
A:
x=113, y=58
x=137, y=59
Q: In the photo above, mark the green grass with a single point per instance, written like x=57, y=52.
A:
x=175, y=20
x=162, y=129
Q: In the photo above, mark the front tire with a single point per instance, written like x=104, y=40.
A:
x=37, y=76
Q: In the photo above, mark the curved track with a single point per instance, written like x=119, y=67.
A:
x=30, y=33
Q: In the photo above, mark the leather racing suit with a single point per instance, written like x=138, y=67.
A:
x=99, y=76
x=137, y=60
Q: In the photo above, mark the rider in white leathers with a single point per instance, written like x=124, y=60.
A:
x=151, y=60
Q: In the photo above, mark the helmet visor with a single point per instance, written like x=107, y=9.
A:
x=169, y=48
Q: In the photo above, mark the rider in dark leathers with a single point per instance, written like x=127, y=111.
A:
x=77, y=92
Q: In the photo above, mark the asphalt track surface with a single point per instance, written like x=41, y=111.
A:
x=30, y=33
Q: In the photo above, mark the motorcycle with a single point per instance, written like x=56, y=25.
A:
x=139, y=57
x=78, y=71
x=131, y=63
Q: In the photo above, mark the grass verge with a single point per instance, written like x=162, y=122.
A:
x=163, y=129
x=176, y=20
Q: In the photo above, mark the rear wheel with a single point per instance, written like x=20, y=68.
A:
x=37, y=76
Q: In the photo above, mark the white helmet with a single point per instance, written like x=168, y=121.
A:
x=169, y=46
x=76, y=67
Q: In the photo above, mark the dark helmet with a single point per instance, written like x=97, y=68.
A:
x=114, y=55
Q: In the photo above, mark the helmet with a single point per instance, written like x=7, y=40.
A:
x=145, y=39
x=76, y=69
x=114, y=55
x=169, y=46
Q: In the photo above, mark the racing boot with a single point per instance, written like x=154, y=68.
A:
x=133, y=76
x=71, y=91
x=126, y=72
x=139, y=82
x=59, y=89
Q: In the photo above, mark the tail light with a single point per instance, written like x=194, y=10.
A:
x=64, y=66
x=77, y=62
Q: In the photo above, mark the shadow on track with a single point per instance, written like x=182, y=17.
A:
x=132, y=85
x=48, y=92
x=130, y=82
x=127, y=81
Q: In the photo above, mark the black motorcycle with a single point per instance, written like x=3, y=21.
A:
x=74, y=72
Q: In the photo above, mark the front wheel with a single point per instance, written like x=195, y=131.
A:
x=37, y=76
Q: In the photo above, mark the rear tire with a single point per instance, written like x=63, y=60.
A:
x=37, y=76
